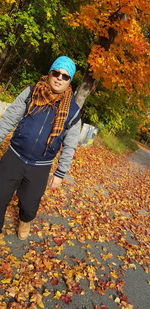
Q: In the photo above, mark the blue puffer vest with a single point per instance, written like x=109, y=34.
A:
x=29, y=140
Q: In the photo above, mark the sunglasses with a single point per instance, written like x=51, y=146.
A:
x=57, y=74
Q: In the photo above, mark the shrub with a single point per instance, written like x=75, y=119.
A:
x=25, y=78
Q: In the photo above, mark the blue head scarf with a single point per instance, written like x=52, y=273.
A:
x=65, y=63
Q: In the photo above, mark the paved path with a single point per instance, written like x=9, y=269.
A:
x=141, y=157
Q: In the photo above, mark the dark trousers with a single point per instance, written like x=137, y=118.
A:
x=28, y=181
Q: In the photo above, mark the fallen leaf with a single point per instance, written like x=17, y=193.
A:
x=114, y=274
x=58, y=241
x=58, y=295
x=66, y=298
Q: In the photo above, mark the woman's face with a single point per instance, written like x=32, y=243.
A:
x=59, y=83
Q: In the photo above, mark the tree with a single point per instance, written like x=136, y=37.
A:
x=116, y=111
x=119, y=55
x=33, y=35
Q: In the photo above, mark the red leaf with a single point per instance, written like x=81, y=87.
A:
x=58, y=241
x=124, y=298
x=103, y=306
x=67, y=298
x=54, y=281
x=76, y=288
x=100, y=290
x=120, y=285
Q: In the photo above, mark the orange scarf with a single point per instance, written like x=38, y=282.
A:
x=42, y=96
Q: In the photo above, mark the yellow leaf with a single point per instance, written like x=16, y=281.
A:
x=6, y=280
x=58, y=295
x=92, y=285
x=71, y=223
x=112, y=285
x=106, y=256
x=48, y=15
x=46, y=293
x=2, y=242
x=40, y=234
x=37, y=298
x=31, y=267
x=117, y=300
x=132, y=266
x=10, y=1
x=89, y=246
x=114, y=274
x=40, y=304
x=21, y=296
x=56, y=275
x=70, y=243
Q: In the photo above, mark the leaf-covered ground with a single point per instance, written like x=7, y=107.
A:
x=89, y=245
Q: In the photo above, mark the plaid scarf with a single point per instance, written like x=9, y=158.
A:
x=42, y=96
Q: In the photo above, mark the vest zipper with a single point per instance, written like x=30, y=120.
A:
x=42, y=127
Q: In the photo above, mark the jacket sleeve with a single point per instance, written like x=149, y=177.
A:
x=69, y=145
x=13, y=114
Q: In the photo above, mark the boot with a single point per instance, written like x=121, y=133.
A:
x=23, y=230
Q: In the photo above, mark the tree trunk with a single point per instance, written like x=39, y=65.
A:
x=3, y=56
x=9, y=53
x=88, y=85
x=13, y=73
x=7, y=59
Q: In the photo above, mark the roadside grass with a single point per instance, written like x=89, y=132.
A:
x=118, y=144
x=5, y=95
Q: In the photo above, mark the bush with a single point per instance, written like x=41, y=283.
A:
x=25, y=78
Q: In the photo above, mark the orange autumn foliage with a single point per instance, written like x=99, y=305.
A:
x=120, y=51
